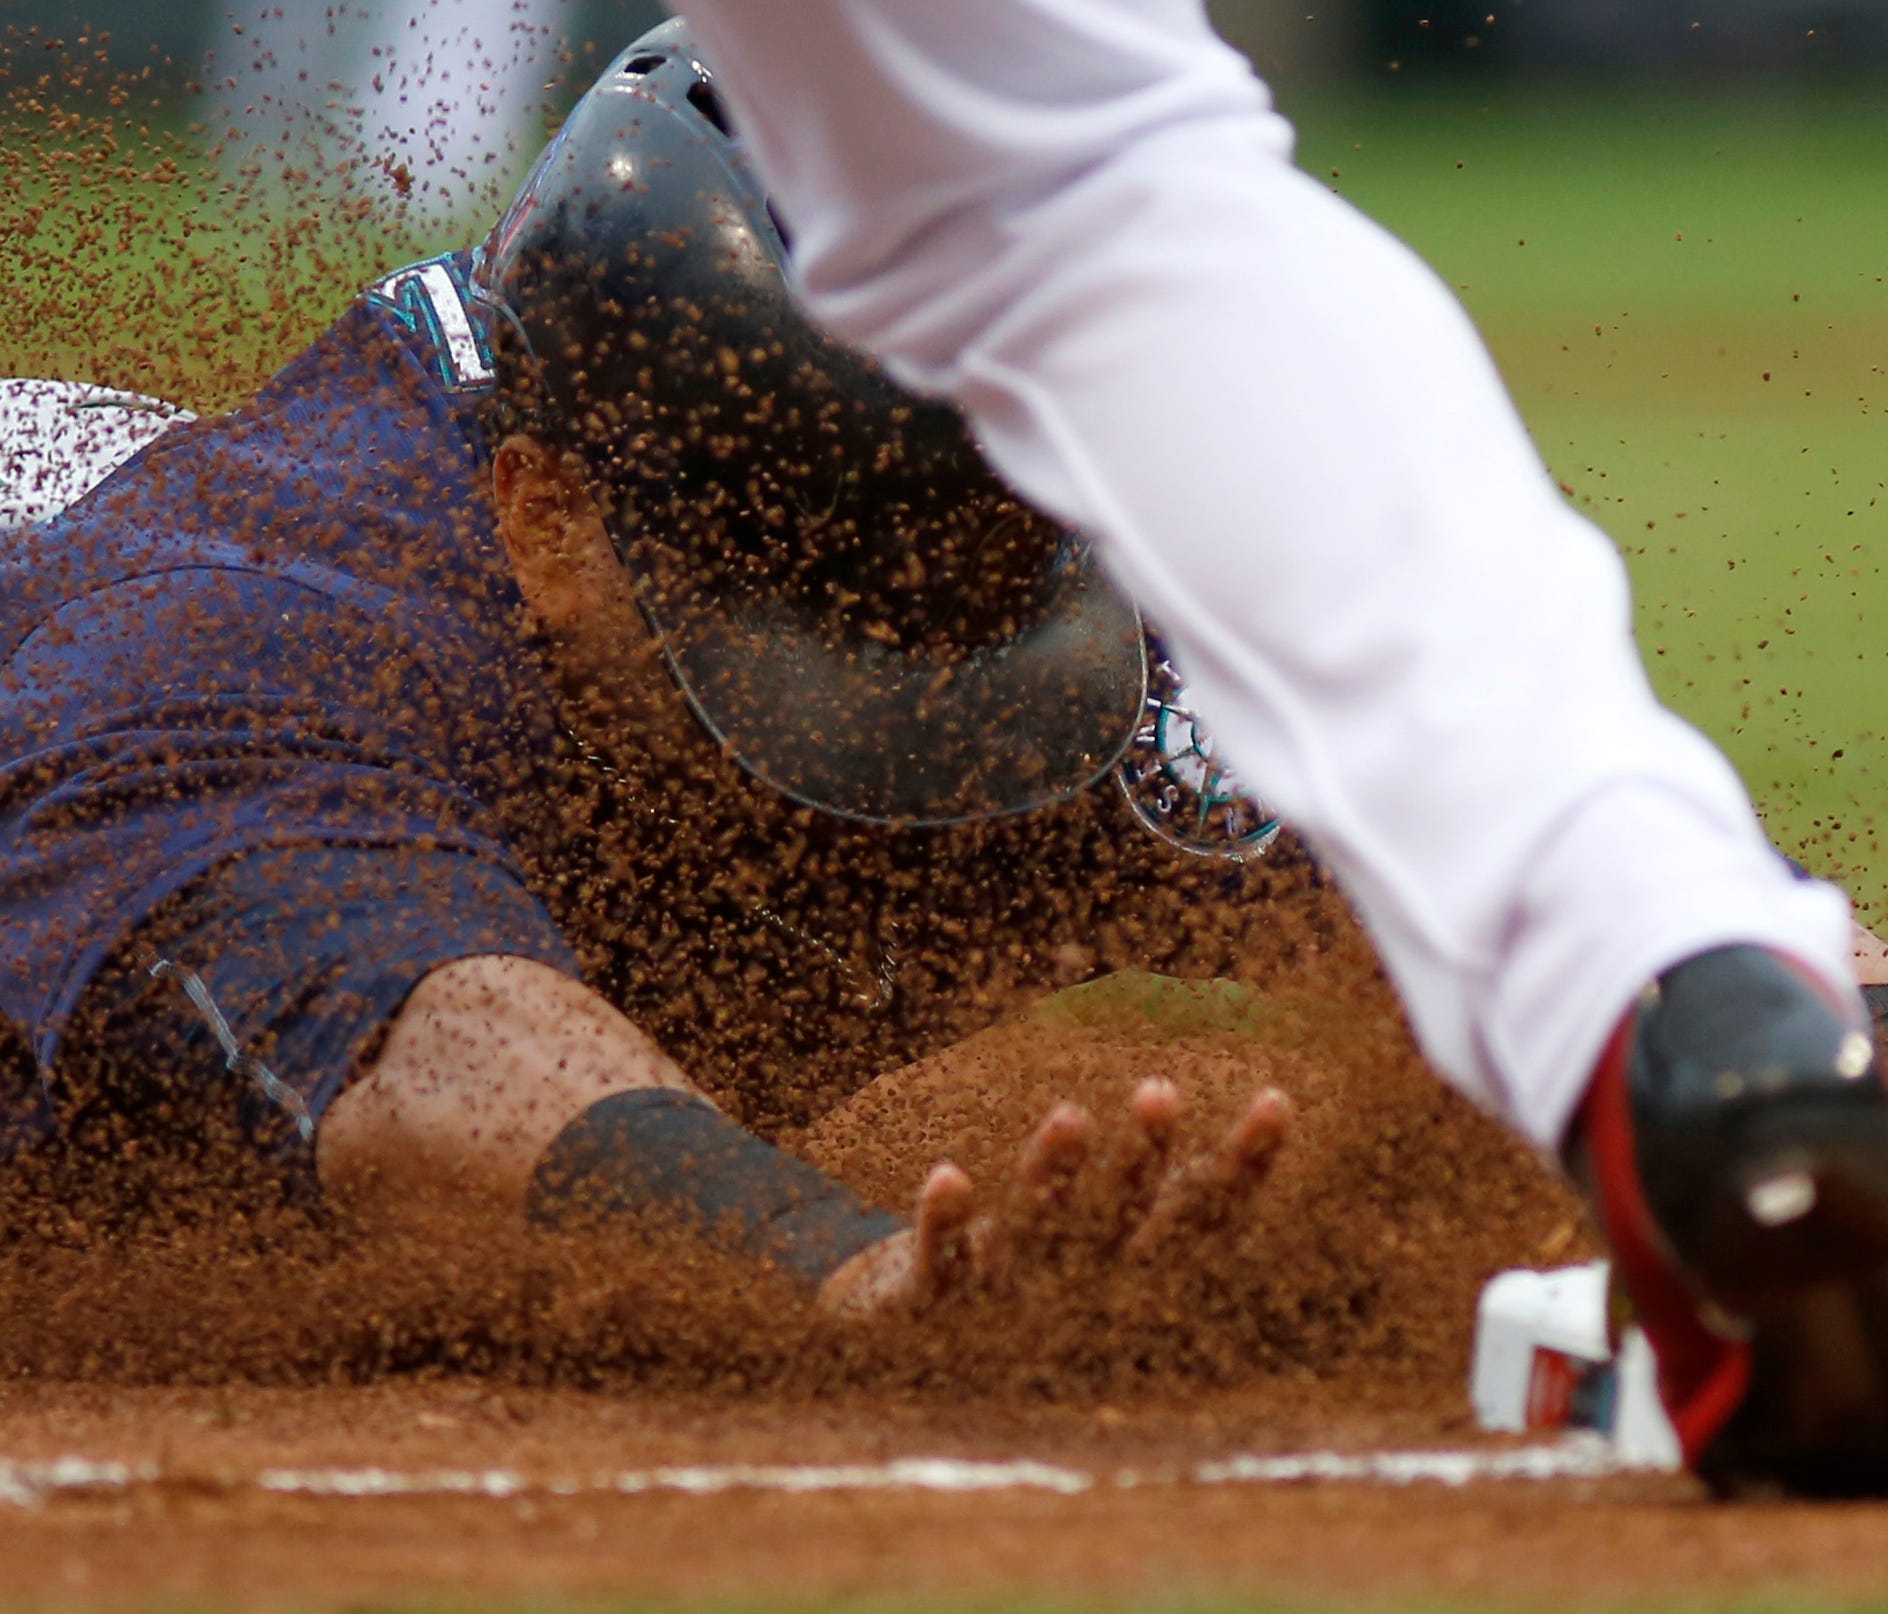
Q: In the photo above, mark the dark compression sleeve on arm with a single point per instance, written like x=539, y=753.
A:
x=657, y=1150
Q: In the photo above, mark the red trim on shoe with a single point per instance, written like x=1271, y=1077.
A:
x=1703, y=1377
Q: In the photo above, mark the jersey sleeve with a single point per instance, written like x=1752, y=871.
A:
x=286, y=637
x=250, y=998
x=171, y=724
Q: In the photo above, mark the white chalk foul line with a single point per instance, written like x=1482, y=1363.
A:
x=906, y=1474
x=1574, y=1458
x=29, y=1485
x=32, y=1485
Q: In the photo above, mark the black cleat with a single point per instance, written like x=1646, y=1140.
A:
x=1734, y=1146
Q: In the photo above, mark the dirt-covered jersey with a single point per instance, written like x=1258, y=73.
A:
x=289, y=625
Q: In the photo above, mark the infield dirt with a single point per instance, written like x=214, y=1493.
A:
x=1340, y=1321
x=1395, y=1203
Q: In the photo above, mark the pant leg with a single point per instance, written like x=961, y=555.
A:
x=1079, y=218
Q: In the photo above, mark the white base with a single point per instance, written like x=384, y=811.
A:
x=1544, y=1362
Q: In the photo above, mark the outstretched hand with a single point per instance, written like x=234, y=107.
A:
x=1078, y=1196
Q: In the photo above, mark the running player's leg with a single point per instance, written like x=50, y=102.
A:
x=1080, y=218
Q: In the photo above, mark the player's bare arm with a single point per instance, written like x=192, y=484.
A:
x=493, y=1062
x=487, y=1062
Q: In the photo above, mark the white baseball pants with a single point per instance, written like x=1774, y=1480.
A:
x=1079, y=219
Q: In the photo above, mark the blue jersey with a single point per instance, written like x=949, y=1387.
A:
x=292, y=626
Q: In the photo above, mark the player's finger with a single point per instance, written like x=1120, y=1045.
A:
x=1056, y=1151
x=1206, y=1194
x=1141, y=1158
x=943, y=1259
x=1156, y=1107
x=1034, y=1222
x=1245, y=1154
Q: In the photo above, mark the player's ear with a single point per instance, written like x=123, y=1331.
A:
x=559, y=549
x=524, y=491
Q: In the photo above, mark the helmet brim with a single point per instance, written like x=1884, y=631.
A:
x=891, y=736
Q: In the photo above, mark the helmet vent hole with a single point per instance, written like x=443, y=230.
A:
x=702, y=98
x=780, y=226
x=641, y=66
